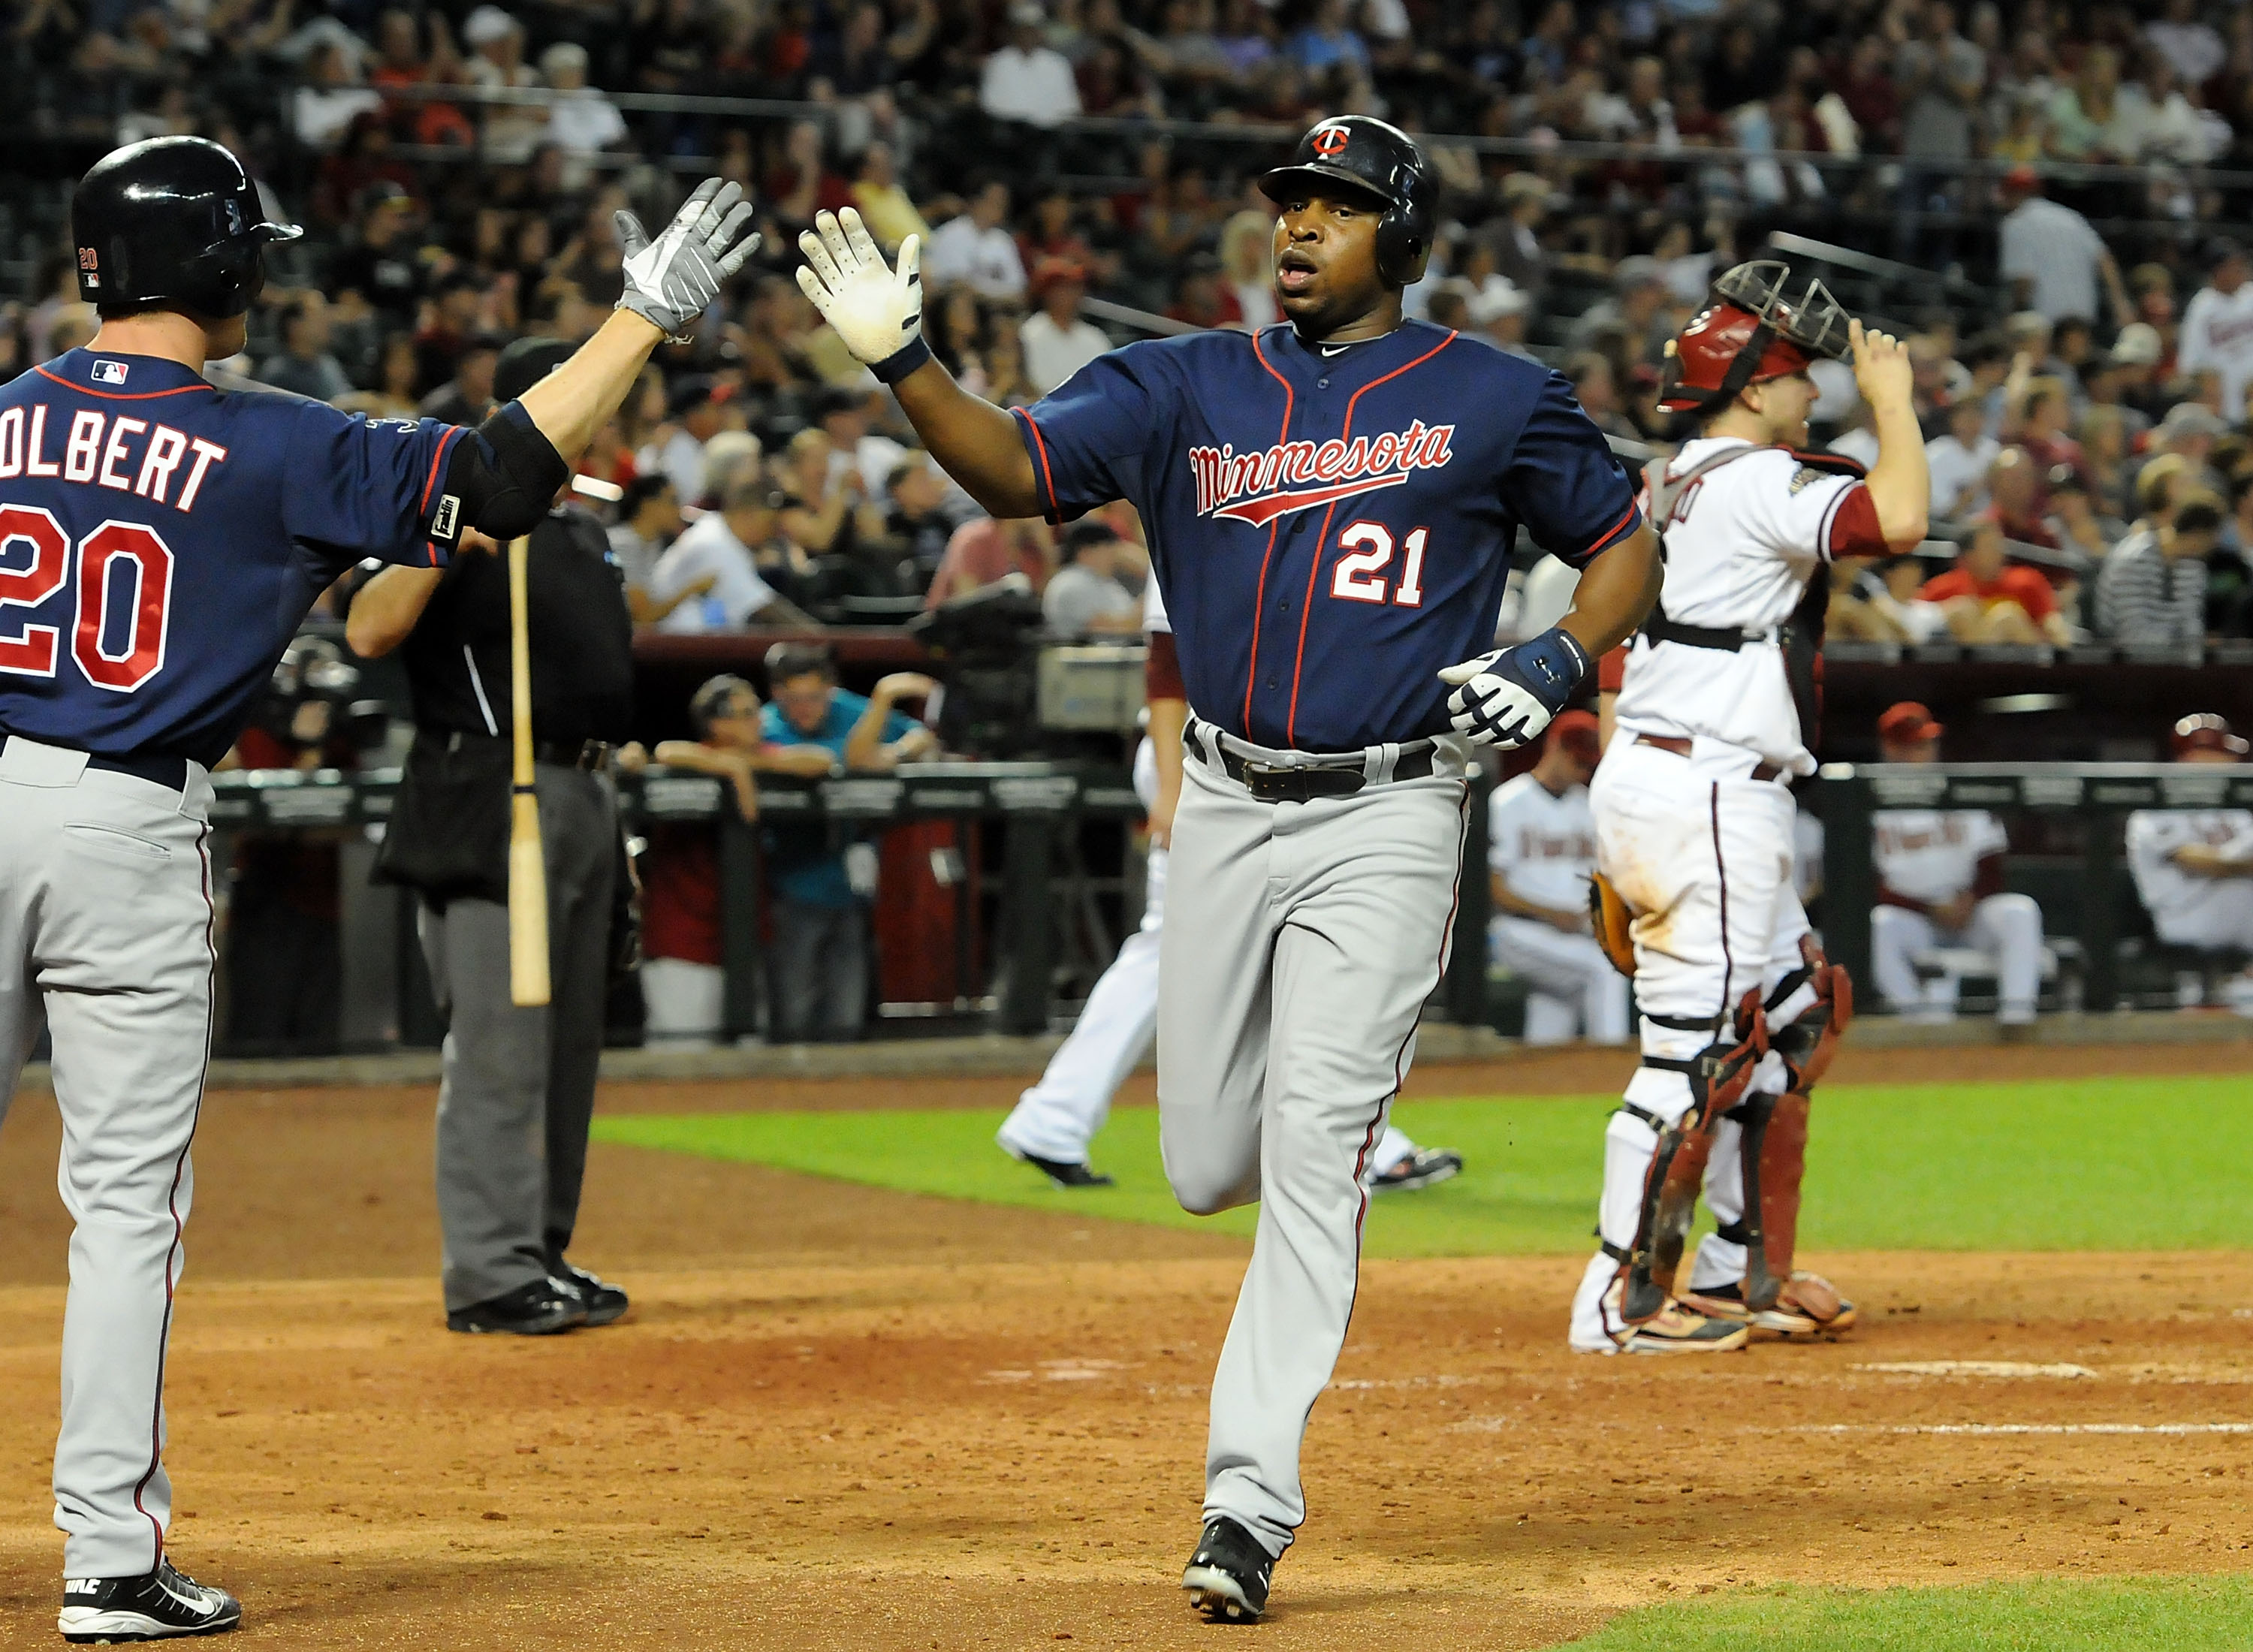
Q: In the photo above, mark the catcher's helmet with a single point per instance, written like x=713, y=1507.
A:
x=171, y=222
x=1378, y=161
x=1749, y=334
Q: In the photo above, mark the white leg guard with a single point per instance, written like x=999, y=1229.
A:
x=1630, y=1141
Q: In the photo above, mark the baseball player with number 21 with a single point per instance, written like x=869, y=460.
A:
x=159, y=541
x=1330, y=504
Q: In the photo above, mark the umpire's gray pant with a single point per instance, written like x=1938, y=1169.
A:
x=518, y=1087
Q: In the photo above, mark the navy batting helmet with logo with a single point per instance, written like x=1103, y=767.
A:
x=1380, y=162
x=171, y=222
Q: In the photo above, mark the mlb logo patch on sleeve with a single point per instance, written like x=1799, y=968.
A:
x=109, y=372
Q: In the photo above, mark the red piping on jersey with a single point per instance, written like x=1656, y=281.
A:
x=437, y=459
x=1259, y=601
x=123, y=395
x=1323, y=538
x=1605, y=540
x=1048, y=477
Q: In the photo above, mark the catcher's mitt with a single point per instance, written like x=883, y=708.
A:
x=1608, y=916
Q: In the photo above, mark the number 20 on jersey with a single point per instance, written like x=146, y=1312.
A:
x=124, y=590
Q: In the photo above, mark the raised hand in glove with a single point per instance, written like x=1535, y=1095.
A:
x=1505, y=698
x=671, y=280
x=877, y=310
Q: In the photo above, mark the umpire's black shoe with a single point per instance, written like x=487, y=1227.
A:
x=605, y=1302
x=1067, y=1176
x=540, y=1308
x=1227, y=1576
x=152, y=1606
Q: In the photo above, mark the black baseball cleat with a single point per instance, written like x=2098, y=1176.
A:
x=606, y=1303
x=1424, y=1167
x=1227, y=1576
x=153, y=1606
x=540, y=1308
x=1067, y=1176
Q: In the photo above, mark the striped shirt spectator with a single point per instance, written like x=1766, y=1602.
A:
x=2151, y=588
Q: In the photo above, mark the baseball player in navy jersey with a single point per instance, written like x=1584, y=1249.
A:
x=1330, y=504
x=160, y=540
x=1055, y=1122
x=1717, y=707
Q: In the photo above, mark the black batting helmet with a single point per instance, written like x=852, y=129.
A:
x=1378, y=161
x=171, y=222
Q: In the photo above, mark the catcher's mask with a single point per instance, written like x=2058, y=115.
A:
x=1751, y=332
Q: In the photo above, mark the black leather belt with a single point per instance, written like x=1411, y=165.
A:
x=165, y=768
x=1303, y=783
x=1660, y=629
x=593, y=755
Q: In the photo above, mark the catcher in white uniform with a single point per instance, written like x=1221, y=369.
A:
x=1940, y=882
x=2194, y=868
x=1716, y=710
x=1541, y=850
x=1055, y=1122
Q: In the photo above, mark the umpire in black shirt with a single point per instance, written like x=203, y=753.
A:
x=518, y=1087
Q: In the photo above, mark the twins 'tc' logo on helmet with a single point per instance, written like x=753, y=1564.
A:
x=1331, y=141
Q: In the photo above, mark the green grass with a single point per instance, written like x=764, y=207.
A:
x=2136, y=1614
x=2100, y=1164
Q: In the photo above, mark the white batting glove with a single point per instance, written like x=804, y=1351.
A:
x=876, y=310
x=670, y=281
x=1506, y=697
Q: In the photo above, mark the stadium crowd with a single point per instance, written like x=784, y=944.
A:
x=2037, y=192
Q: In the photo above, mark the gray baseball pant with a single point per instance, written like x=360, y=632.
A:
x=518, y=1090
x=1305, y=939
x=106, y=924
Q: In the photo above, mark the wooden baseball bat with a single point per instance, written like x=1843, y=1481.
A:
x=527, y=867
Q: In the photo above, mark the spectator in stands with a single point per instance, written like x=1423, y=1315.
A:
x=985, y=552
x=975, y=247
x=1958, y=462
x=1989, y=599
x=2036, y=424
x=2054, y=260
x=393, y=396
x=322, y=108
x=1520, y=255
x=1595, y=387
x=917, y=523
x=1084, y=598
x=2191, y=430
x=1941, y=886
x=2151, y=589
x=580, y=121
x=700, y=408
x=2217, y=328
x=720, y=547
x=682, y=977
x=1026, y=80
x=824, y=510
x=1247, y=259
x=1940, y=76
x=1635, y=314
x=304, y=365
x=1201, y=298
x=847, y=417
x=2080, y=527
x=649, y=521
x=819, y=894
x=378, y=270
x=467, y=397
x=496, y=43
x=2014, y=494
x=1501, y=315
x=2187, y=42
x=884, y=205
x=1057, y=341
x=2194, y=868
x=1884, y=603
x=2105, y=443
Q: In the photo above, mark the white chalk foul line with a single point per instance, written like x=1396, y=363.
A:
x=2024, y=1428
x=1972, y=1368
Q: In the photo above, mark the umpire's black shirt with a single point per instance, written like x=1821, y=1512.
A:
x=581, y=633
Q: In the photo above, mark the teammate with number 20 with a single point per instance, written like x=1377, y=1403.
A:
x=160, y=540
x=1330, y=504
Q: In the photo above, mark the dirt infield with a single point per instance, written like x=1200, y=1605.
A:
x=845, y=1417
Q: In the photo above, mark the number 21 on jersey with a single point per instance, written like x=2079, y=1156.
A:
x=1369, y=548
x=117, y=559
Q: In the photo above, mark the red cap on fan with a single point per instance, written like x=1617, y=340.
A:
x=1906, y=723
x=1577, y=731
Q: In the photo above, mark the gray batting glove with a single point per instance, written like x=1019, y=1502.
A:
x=669, y=282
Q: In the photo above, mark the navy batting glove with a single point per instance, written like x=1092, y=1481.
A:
x=1505, y=698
